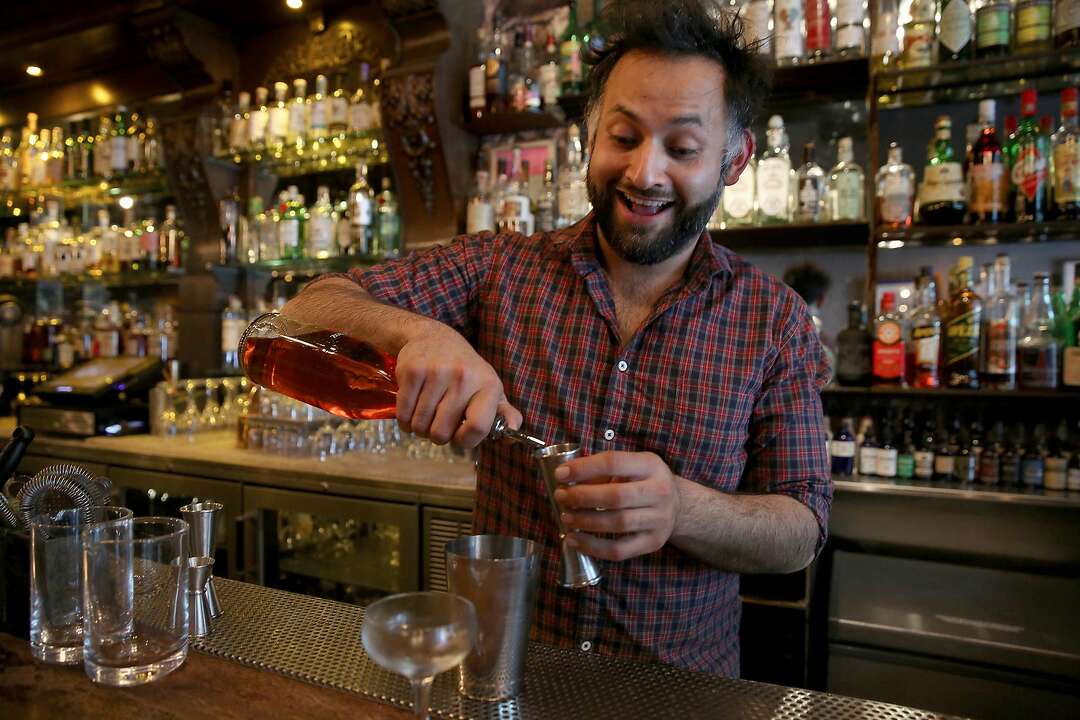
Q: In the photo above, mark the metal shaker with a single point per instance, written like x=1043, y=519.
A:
x=203, y=519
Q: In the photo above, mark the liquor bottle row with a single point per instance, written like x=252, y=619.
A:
x=48, y=247
x=1033, y=176
x=114, y=146
x=60, y=341
x=523, y=201
x=510, y=74
x=361, y=223
x=925, y=447
x=295, y=122
x=794, y=32
x=1007, y=337
x=771, y=191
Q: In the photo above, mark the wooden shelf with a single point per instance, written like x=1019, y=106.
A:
x=786, y=237
x=119, y=280
x=983, y=234
x=305, y=267
x=1063, y=395
x=510, y=123
x=839, y=79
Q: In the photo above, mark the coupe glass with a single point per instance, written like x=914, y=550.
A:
x=419, y=635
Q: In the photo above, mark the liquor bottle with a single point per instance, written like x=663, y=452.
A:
x=222, y=120
x=233, y=323
x=1066, y=158
x=1009, y=150
x=1000, y=324
x=738, y=202
x=71, y=152
x=774, y=176
x=967, y=459
x=338, y=121
x=318, y=111
x=847, y=185
x=1011, y=456
x=258, y=120
x=926, y=334
x=9, y=164
x=573, y=196
x=942, y=199
x=810, y=189
x=993, y=29
x=546, y=204
x=1034, y=25
x=1029, y=172
x=238, y=127
x=86, y=151
x=54, y=164
x=517, y=75
x=944, y=456
x=1057, y=459
x=888, y=454
x=895, y=191
x=853, y=349
x=905, y=458
x=118, y=144
x=298, y=111
x=842, y=448
x=363, y=112
x=534, y=101
x=962, y=330
x=1067, y=23
x=818, y=29
x=321, y=226
x=1072, y=472
x=136, y=135
x=850, y=38
x=1037, y=349
x=867, y=448
x=569, y=56
x=888, y=344
x=478, y=77
x=990, y=459
x=789, y=29
x=480, y=213
x=292, y=227
x=758, y=25
x=884, y=44
x=989, y=171
x=550, y=80
x=277, y=124
x=919, y=35
x=1033, y=461
x=956, y=36
x=269, y=237
x=388, y=222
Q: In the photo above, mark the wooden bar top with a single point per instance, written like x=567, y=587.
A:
x=203, y=687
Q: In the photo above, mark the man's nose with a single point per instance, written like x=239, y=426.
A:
x=646, y=168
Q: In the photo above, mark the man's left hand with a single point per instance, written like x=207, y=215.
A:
x=633, y=495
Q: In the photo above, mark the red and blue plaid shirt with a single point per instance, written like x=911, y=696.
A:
x=722, y=382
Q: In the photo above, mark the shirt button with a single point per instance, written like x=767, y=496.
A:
x=622, y=366
x=609, y=434
x=586, y=646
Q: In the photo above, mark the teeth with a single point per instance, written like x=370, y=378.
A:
x=649, y=203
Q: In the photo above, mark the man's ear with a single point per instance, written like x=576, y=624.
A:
x=747, y=146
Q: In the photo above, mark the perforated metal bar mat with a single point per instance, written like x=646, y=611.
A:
x=318, y=641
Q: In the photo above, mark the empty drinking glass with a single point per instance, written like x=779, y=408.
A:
x=210, y=419
x=56, y=580
x=136, y=601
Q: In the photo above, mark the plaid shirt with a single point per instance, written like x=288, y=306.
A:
x=722, y=382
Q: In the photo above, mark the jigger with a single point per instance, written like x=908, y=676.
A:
x=199, y=571
x=203, y=517
x=577, y=570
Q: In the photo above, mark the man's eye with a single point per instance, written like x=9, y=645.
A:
x=683, y=152
x=623, y=140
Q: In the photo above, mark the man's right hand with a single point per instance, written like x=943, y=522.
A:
x=446, y=391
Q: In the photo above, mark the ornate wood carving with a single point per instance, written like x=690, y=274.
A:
x=408, y=106
x=165, y=45
x=342, y=45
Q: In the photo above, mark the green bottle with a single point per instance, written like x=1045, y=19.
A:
x=573, y=75
x=905, y=460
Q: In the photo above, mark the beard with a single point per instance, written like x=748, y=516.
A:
x=650, y=247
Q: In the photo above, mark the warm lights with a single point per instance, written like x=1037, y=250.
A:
x=34, y=71
x=294, y=4
x=126, y=202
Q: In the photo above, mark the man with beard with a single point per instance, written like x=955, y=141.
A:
x=690, y=378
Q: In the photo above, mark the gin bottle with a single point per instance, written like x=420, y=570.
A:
x=321, y=226
x=1037, y=349
x=895, y=190
x=789, y=29
x=774, y=176
x=738, y=199
x=846, y=185
x=810, y=189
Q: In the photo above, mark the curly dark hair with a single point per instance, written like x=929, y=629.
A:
x=682, y=27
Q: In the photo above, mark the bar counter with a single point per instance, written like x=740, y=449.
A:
x=283, y=638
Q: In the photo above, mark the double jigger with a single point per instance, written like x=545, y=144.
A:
x=576, y=570
x=203, y=604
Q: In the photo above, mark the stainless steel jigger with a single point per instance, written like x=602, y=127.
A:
x=203, y=517
x=199, y=571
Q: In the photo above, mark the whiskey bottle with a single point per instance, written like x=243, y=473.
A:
x=990, y=458
x=962, y=330
x=1066, y=157
x=942, y=199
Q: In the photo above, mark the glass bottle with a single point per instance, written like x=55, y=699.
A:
x=238, y=127
x=545, y=205
x=573, y=196
x=388, y=222
x=738, y=201
x=1034, y=25
x=1037, y=349
x=321, y=226
x=942, y=198
x=926, y=334
x=1066, y=158
x=480, y=212
x=361, y=205
x=171, y=241
x=789, y=28
x=1067, y=23
x=924, y=452
x=853, y=349
x=292, y=227
x=774, y=176
x=550, y=81
x=118, y=145
x=1057, y=459
x=993, y=27
x=1000, y=325
x=842, y=448
x=967, y=459
x=338, y=121
x=989, y=173
x=888, y=352
x=1030, y=171
x=867, y=448
x=884, y=44
x=277, y=124
x=1013, y=450
x=850, y=40
x=818, y=29
x=477, y=76
x=905, y=458
x=847, y=185
x=87, y=148
x=517, y=75
x=258, y=120
x=956, y=31
x=363, y=115
x=569, y=56
x=945, y=456
x=758, y=25
x=318, y=111
x=919, y=35
x=888, y=453
x=810, y=189
x=895, y=191
x=990, y=458
x=963, y=320
x=1033, y=461
x=298, y=110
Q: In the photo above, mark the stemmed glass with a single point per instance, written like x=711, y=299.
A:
x=419, y=635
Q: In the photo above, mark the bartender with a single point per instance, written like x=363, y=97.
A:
x=691, y=379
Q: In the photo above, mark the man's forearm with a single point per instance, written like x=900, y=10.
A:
x=744, y=533
x=342, y=305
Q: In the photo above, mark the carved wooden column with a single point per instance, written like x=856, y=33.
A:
x=409, y=122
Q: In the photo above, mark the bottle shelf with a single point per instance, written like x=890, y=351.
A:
x=135, y=279
x=836, y=79
x=786, y=237
x=510, y=123
x=95, y=190
x=305, y=267
x=338, y=152
x=983, y=234
x=1065, y=395
x=957, y=490
x=975, y=80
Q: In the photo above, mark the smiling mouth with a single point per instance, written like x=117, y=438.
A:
x=644, y=206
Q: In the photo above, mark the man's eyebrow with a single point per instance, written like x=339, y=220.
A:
x=678, y=120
